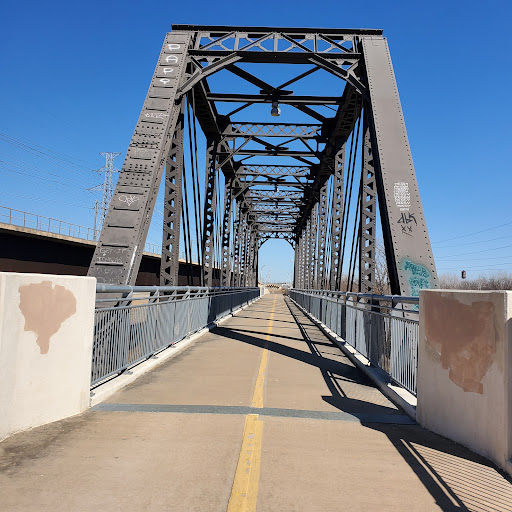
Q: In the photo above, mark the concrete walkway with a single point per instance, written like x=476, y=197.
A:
x=264, y=414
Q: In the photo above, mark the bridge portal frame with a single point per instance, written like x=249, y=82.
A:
x=189, y=55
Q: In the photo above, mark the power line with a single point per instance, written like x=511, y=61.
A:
x=44, y=199
x=478, y=242
x=35, y=176
x=471, y=234
x=477, y=252
x=55, y=160
x=29, y=166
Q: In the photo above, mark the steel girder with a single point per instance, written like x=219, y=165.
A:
x=119, y=250
x=209, y=211
x=337, y=217
x=241, y=129
x=408, y=251
x=321, y=281
x=172, y=208
x=368, y=216
x=226, y=238
x=192, y=53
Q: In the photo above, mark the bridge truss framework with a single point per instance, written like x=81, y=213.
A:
x=306, y=200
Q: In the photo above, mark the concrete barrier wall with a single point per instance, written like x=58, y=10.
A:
x=465, y=370
x=46, y=334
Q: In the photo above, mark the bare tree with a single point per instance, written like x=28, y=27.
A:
x=497, y=281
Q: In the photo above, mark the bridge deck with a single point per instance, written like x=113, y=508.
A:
x=262, y=413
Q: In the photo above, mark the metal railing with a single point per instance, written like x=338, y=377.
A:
x=133, y=323
x=58, y=227
x=47, y=224
x=384, y=329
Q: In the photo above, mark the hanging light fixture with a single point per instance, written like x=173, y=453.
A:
x=276, y=111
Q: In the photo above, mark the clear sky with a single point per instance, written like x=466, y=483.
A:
x=74, y=77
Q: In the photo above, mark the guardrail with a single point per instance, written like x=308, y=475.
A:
x=383, y=328
x=47, y=224
x=58, y=227
x=134, y=322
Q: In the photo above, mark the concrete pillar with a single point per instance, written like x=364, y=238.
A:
x=465, y=370
x=46, y=335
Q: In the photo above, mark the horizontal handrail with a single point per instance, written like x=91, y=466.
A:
x=140, y=321
x=14, y=217
x=382, y=328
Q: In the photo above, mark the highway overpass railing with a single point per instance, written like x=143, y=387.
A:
x=20, y=218
x=132, y=323
x=383, y=328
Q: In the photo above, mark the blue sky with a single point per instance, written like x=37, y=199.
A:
x=74, y=77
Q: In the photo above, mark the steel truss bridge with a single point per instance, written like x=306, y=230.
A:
x=348, y=163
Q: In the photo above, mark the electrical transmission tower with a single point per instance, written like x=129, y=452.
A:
x=107, y=188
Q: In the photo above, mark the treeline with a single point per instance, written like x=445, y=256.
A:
x=497, y=281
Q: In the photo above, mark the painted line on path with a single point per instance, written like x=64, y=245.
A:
x=244, y=492
x=393, y=418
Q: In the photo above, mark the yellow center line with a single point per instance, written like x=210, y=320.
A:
x=244, y=492
x=257, y=397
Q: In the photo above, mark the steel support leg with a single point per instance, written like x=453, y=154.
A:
x=337, y=216
x=408, y=252
x=209, y=212
x=119, y=250
x=226, y=237
x=322, y=238
x=368, y=216
x=169, y=264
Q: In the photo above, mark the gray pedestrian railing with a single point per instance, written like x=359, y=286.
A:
x=383, y=328
x=132, y=323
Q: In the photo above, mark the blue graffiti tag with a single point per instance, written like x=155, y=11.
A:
x=419, y=276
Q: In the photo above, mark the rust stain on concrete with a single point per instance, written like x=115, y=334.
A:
x=464, y=336
x=45, y=309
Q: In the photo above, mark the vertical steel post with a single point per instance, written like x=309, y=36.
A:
x=226, y=236
x=322, y=237
x=368, y=215
x=169, y=263
x=313, y=246
x=237, y=232
x=337, y=215
x=209, y=211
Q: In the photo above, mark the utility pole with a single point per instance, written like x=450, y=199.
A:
x=107, y=188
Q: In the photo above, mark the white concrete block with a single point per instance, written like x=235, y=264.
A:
x=465, y=369
x=46, y=335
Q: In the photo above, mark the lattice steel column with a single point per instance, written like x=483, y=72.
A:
x=237, y=237
x=169, y=263
x=226, y=236
x=337, y=216
x=313, y=246
x=322, y=237
x=209, y=211
x=119, y=250
x=243, y=251
x=307, y=254
x=296, y=281
x=253, y=247
x=368, y=216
